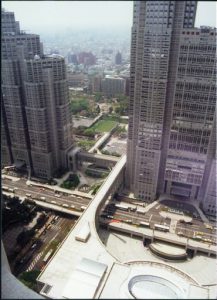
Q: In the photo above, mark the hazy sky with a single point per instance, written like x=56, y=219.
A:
x=44, y=16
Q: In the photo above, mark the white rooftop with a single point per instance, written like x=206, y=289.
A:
x=85, y=280
x=70, y=279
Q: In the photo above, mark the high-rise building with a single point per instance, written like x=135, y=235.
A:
x=171, y=135
x=112, y=86
x=86, y=58
x=36, y=119
x=118, y=58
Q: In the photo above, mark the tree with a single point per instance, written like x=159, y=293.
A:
x=110, y=109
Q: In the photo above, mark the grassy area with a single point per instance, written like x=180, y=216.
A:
x=102, y=126
x=85, y=144
x=95, y=187
x=71, y=182
x=78, y=105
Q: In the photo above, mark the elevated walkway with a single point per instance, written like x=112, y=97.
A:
x=168, y=251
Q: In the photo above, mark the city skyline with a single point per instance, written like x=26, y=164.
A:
x=91, y=15
x=109, y=156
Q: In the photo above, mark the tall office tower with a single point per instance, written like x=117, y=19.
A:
x=118, y=58
x=37, y=126
x=172, y=101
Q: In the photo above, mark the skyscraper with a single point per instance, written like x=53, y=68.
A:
x=36, y=119
x=171, y=138
x=118, y=58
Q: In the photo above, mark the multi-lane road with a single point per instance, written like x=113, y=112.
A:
x=41, y=193
x=194, y=228
x=52, y=235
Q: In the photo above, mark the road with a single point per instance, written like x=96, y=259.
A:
x=21, y=189
x=50, y=238
x=153, y=216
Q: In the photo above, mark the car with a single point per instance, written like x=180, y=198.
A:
x=180, y=233
x=22, y=260
x=208, y=226
x=34, y=245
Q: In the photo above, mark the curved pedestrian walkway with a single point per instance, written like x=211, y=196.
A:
x=168, y=251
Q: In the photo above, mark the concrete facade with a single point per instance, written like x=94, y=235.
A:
x=112, y=86
x=172, y=101
x=36, y=119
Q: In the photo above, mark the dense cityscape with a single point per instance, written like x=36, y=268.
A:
x=109, y=159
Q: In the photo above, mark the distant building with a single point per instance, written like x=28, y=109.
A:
x=72, y=58
x=36, y=118
x=171, y=135
x=77, y=79
x=97, y=84
x=86, y=58
x=118, y=59
x=112, y=86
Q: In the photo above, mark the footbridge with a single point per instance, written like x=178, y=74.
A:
x=82, y=241
x=77, y=156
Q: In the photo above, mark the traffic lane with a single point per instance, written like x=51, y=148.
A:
x=51, y=197
x=154, y=218
x=49, y=193
x=37, y=189
x=57, y=233
x=191, y=231
x=135, y=217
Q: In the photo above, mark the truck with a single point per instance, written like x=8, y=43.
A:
x=47, y=256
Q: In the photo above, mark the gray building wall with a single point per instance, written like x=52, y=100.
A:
x=209, y=200
x=112, y=86
x=172, y=100
x=37, y=126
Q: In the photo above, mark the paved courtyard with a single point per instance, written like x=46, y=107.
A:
x=117, y=145
x=125, y=249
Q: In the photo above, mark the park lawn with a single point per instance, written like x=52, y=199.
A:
x=104, y=126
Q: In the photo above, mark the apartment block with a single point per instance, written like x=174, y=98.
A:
x=112, y=86
x=36, y=119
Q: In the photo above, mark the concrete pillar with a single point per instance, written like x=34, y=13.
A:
x=169, y=183
x=193, y=191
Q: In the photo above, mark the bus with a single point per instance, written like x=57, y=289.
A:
x=161, y=227
x=5, y=188
x=122, y=206
x=9, y=168
x=144, y=224
x=140, y=210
